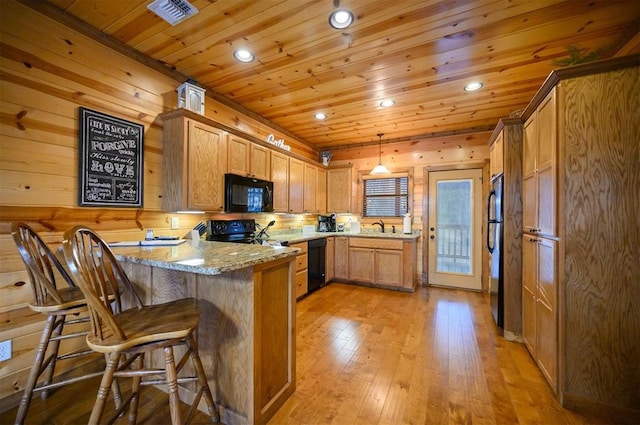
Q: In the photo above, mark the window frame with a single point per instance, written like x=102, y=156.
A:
x=364, y=175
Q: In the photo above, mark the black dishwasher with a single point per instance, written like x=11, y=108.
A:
x=316, y=268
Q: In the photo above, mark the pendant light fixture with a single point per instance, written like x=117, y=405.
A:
x=380, y=169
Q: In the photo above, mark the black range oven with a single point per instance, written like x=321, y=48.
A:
x=238, y=231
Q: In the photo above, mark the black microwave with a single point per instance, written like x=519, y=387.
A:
x=246, y=194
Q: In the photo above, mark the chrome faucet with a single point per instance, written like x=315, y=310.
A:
x=381, y=224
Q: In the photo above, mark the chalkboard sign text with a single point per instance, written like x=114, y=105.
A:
x=111, y=161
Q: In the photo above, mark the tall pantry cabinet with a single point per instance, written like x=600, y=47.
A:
x=581, y=234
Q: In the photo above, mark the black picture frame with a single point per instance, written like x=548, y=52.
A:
x=111, y=161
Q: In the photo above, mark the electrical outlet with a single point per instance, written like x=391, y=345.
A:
x=175, y=223
x=5, y=350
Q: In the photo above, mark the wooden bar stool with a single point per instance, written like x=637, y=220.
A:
x=60, y=304
x=126, y=335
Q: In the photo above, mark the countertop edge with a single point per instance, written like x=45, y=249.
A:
x=302, y=237
x=199, y=265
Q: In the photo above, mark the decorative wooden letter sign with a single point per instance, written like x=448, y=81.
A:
x=111, y=161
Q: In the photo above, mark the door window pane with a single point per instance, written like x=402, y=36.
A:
x=453, y=233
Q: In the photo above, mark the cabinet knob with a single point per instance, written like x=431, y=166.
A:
x=432, y=237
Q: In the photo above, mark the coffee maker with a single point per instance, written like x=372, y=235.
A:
x=327, y=223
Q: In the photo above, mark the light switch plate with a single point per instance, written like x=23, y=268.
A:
x=175, y=223
x=5, y=350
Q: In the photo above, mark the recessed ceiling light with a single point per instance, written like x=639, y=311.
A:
x=243, y=55
x=387, y=102
x=473, y=86
x=340, y=18
x=320, y=116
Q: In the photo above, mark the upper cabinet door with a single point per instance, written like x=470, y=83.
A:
x=248, y=159
x=321, y=190
x=194, y=164
x=339, y=190
x=529, y=176
x=310, y=180
x=238, y=155
x=546, y=165
x=259, y=162
x=296, y=185
x=539, y=169
x=280, y=178
x=496, y=156
x=205, y=182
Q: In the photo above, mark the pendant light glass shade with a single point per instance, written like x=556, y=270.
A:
x=380, y=169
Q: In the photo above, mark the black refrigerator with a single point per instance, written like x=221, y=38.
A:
x=494, y=245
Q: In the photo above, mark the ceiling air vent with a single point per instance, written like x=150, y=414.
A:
x=173, y=11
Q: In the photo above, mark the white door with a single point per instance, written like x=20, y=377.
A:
x=455, y=228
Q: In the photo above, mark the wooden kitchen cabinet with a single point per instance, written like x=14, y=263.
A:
x=580, y=162
x=302, y=264
x=539, y=201
x=388, y=267
x=194, y=156
x=296, y=185
x=339, y=185
x=382, y=262
x=341, y=258
x=496, y=156
x=260, y=162
x=547, y=310
x=540, y=311
x=539, y=169
x=329, y=259
x=245, y=158
x=361, y=263
x=280, y=178
x=310, y=186
x=321, y=190
x=529, y=291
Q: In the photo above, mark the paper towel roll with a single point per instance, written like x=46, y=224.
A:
x=406, y=223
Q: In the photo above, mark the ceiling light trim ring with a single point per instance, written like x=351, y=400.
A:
x=244, y=55
x=341, y=19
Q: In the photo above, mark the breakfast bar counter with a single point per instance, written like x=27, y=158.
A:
x=246, y=335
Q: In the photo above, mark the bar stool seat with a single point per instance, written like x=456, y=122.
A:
x=63, y=305
x=69, y=298
x=159, y=322
x=126, y=330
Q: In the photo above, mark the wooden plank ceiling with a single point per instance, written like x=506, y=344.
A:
x=418, y=53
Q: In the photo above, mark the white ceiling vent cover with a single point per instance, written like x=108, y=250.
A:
x=173, y=11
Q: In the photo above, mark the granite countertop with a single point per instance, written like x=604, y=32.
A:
x=203, y=257
x=293, y=237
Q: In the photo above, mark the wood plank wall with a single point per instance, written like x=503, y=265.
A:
x=47, y=72
x=417, y=157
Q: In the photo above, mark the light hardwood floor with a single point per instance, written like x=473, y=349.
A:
x=372, y=356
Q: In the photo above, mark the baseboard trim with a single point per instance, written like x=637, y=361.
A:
x=614, y=414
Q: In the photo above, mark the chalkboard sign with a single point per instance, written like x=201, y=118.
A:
x=111, y=161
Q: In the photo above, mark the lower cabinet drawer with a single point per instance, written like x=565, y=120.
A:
x=375, y=243
x=301, y=262
x=301, y=283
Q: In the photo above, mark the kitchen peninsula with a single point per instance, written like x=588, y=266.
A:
x=246, y=335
